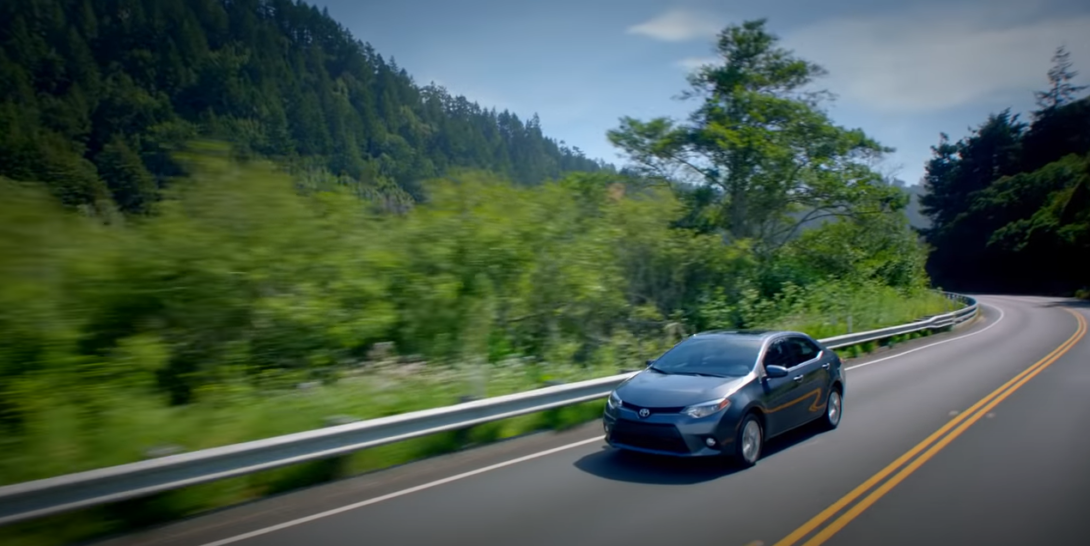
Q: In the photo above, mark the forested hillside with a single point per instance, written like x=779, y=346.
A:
x=915, y=192
x=96, y=94
x=1010, y=203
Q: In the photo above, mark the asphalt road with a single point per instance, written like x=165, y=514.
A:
x=937, y=446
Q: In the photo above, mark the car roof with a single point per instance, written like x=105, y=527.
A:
x=757, y=333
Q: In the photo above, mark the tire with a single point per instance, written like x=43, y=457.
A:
x=834, y=410
x=750, y=434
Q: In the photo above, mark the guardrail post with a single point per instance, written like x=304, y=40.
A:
x=156, y=508
x=849, y=323
x=553, y=418
x=321, y=470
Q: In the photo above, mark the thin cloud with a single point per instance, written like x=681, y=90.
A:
x=692, y=63
x=678, y=25
x=936, y=59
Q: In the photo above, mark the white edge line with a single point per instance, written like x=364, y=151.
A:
x=532, y=456
x=981, y=331
x=400, y=493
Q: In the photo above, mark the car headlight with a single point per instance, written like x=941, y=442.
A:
x=707, y=408
x=614, y=400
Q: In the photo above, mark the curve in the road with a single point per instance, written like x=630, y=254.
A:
x=994, y=323
x=937, y=441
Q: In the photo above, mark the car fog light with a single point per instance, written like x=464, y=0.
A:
x=710, y=442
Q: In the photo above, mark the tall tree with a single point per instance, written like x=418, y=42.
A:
x=132, y=187
x=1061, y=91
x=992, y=150
x=760, y=140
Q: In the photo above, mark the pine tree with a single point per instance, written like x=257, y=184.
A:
x=132, y=187
x=1061, y=90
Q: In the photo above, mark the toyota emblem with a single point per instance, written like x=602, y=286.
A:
x=645, y=412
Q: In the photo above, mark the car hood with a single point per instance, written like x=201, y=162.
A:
x=653, y=389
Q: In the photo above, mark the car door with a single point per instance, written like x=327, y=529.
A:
x=811, y=372
x=782, y=394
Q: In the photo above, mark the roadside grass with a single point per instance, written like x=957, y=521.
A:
x=64, y=439
x=867, y=312
x=125, y=517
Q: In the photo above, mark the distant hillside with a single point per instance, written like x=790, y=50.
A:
x=915, y=217
x=95, y=93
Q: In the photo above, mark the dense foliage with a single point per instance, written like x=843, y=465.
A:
x=768, y=160
x=97, y=93
x=207, y=279
x=1010, y=203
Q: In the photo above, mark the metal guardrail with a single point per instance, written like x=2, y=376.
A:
x=931, y=323
x=49, y=496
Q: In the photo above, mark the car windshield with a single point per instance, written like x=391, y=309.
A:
x=717, y=355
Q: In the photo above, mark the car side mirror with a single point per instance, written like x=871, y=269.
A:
x=649, y=362
x=775, y=371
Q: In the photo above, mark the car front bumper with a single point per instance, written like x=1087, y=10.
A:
x=672, y=434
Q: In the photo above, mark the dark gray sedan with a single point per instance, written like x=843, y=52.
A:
x=725, y=393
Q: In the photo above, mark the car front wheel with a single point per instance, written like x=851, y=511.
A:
x=750, y=441
x=834, y=408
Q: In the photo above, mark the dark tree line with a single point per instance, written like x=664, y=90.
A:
x=1010, y=203
x=97, y=94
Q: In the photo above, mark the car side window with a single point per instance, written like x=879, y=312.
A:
x=777, y=355
x=801, y=350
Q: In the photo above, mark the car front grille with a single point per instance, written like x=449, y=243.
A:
x=654, y=436
x=654, y=411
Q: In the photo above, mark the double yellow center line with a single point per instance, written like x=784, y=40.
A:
x=933, y=444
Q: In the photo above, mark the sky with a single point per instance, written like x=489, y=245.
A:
x=903, y=72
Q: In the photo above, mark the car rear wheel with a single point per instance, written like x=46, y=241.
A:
x=834, y=408
x=750, y=441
